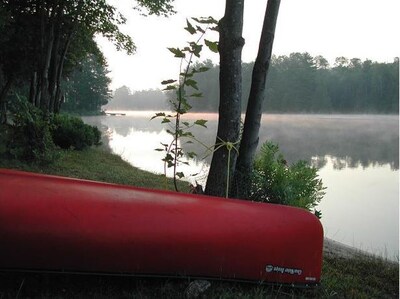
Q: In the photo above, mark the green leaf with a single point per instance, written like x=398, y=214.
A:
x=215, y=28
x=186, y=134
x=203, y=20
x=190, y=28
x=196, y=49
x=170, y=87
x=165, y=82
x=177, y=52
x=191, y=83
x=165, y=120
x=203, y=69
x=180, y=175
x=188, y=75
x=186, y=123
x=200, y=29
x=196, y=95
x=213, y=46
x=201, y=122
x=159, y=149
x=158, y=115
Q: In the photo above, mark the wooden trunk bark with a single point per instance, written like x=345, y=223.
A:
x=58, y=94
x=250, y=137
x=53, y=69
x=3, y=102
x=230, y=48
x=32, y=89
x=47, y=43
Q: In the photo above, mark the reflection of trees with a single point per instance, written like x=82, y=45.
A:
x=350, y=140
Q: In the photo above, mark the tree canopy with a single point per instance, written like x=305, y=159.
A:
x=42, y=40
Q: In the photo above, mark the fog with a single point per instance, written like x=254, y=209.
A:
x=351, y=140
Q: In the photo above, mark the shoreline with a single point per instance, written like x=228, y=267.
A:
x=332, y=248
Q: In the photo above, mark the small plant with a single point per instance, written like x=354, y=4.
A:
x=71, y=132
x=174, y=152
x=275, y=181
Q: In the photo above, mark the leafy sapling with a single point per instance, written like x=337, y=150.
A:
x=178, y=129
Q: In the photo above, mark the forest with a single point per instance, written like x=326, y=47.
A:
x=296, y=83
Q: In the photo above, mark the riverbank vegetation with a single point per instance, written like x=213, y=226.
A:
x=355, y=276
x=297, y=83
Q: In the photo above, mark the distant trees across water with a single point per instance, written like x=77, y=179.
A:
x=125, y=99
x=298, y=83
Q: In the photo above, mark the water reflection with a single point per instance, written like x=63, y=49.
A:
x=361, y=207
x=354, y=140
x=138, y=148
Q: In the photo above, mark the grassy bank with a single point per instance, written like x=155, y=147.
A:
x=96, y=164
x=358, y=276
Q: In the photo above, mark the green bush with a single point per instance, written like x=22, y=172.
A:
x=71, y=132
x=28, y=137
x=276, y=182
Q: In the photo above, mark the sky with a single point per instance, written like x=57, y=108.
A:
x=366, y=29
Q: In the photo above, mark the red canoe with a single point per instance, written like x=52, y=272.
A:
x=50, y=223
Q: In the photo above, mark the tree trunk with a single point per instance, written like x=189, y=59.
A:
x=46, y=42
x=3, y=101
x=53, y=69
x=58, y=97
x=250, y=137
x=32, y=89
x=230, y=48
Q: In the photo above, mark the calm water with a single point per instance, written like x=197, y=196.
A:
x=357, y=157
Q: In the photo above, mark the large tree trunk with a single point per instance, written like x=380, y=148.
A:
x=32, y=89
x=250, y=137
x=53, y=69
x=230, y=48
x=47, y=28
x=3, y=101
x=58, y=94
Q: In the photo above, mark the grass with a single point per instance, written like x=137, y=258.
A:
x=96, y=164
x=361, y=276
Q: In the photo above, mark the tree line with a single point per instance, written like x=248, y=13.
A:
x=124, y=99
x=296, y=83
x=301, y=83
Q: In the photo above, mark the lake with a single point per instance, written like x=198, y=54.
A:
x=357, y=157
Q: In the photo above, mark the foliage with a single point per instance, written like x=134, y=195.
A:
x=44, y=40
x=174, y=153
x=86, y=88
x=276, y=182
x=29, y=137
x=149, y=100
x=71, y=132
x=156, y=7
x=302, y=83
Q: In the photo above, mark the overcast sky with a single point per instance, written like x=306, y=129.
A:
x=331, y=28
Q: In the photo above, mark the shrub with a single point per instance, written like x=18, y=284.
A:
x=29, y=138
x=71, y=132
x=276, y=182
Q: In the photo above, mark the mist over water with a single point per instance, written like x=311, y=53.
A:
x=357, y=157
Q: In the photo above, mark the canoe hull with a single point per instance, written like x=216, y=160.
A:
x=61, y=224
